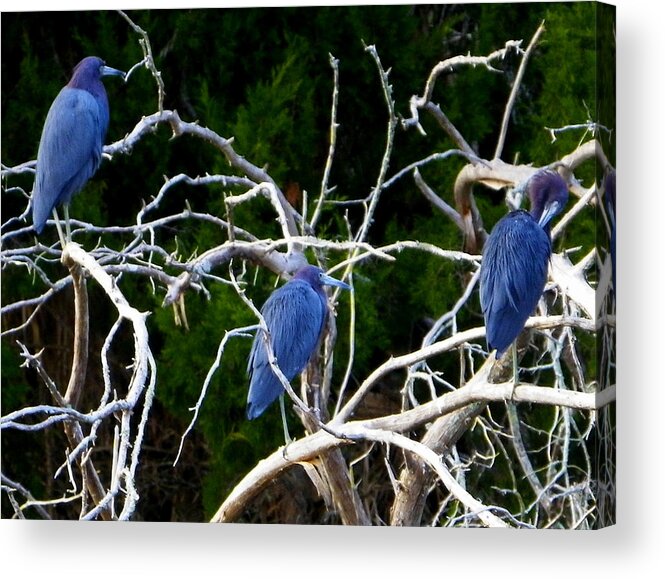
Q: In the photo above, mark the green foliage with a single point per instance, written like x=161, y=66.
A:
x=14, y=388
x=565, y=98
x=187, y=354
x=18, y=393
x=277, y=121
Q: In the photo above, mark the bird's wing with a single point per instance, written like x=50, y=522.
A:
x=514, y=267
x=70, y=148
x=295, y=315
x=513, y=275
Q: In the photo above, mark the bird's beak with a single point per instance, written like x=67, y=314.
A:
x=327, y=280
x=108, y=71
x=551, y=209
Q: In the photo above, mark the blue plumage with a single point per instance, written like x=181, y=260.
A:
x=70, y=148
x=515, y=261
x=295, y=315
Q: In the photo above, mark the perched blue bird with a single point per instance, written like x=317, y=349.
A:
x=515, y=260
x=610, y=204
x=70, y=149
x=295, y=315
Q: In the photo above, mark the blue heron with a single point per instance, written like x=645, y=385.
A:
x=610, y=204
x=70, y=148
x=515, y=260
x=295, y=315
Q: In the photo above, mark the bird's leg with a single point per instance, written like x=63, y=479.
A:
x=287, y=438
x=516, y=370
x=57, y=226
x=67, y=227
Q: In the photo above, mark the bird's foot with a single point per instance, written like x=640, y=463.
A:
x=285, y=449
x=512, y=390
x=65, y=257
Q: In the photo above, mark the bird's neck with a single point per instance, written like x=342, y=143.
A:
x=94, y=87
x=537, y=209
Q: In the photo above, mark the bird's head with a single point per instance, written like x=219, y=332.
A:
x=90, y=70
x=548, y=194
x=317, y=279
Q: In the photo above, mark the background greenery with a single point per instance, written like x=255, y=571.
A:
x=263, y=77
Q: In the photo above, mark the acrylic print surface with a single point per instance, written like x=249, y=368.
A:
x=327, y=265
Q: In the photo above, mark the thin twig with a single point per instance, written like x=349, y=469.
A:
x=513, y=93
x=325, y=189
